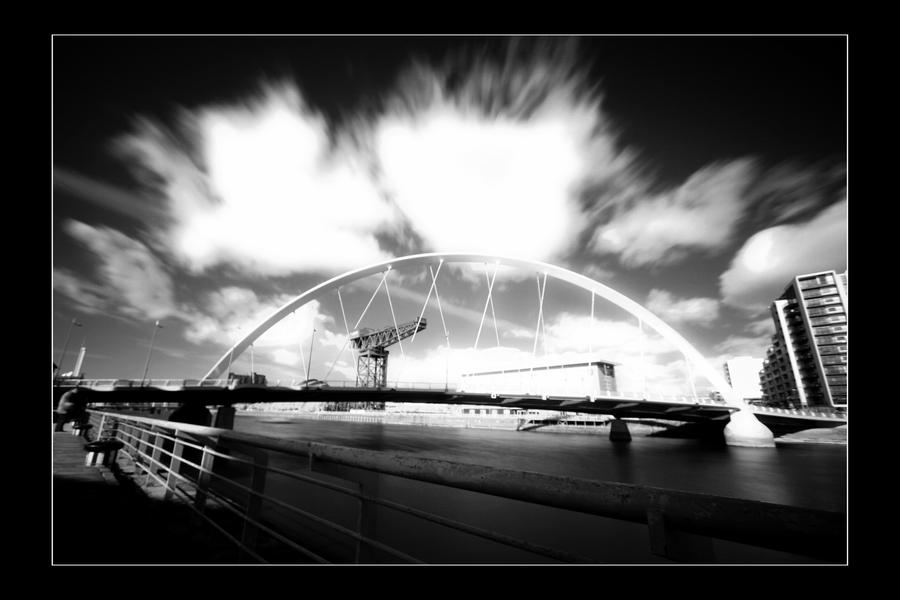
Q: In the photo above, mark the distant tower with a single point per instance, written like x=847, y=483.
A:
x=77, y=371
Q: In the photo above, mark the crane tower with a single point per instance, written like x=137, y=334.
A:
x=371, y=362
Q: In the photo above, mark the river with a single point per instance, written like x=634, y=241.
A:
x=803, y=475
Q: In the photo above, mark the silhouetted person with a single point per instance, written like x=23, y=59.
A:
x=72, y=408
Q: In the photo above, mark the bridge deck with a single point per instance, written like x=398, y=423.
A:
x=91, y=507
x=621, y=407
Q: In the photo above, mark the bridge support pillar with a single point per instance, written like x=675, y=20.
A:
x=744, y=429
x=195, y=414
x=224, y=418
x=618, y=431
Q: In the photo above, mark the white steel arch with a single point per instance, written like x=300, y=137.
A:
x=669, y=334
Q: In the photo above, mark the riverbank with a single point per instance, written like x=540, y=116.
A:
x=582, y=425
x=506, y=422
x=831, y=435
x=575, y=425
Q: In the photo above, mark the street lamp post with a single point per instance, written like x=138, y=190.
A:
x=309, y=362
x=150, y=352
x=62, y=355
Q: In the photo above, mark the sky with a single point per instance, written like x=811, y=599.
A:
x=204, y=181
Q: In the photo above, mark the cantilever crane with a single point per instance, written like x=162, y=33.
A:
x=371, y=364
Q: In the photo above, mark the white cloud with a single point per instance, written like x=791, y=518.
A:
x=791, y=192
x=764, y=326
x=598, y=273
x=700, y=215
x=90, y=297
x=492, y=186
x=265, y=191
x=106, y=196
x=133, y=279
x=490, y=157
x=739, y=345
x=285, y=357
x=771, y=258
x=228, y=314
x=673, y=310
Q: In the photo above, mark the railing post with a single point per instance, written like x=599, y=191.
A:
x=100, y=426
x=254, y=502
x=367, y=517
x=174, y=466
x=677, y=545
x=139, y=442
x=153, y=463
x=203, y=477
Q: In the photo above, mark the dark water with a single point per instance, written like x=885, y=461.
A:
x=811, y=475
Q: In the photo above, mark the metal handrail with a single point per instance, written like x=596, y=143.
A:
x=804, y=531
x=136, y=441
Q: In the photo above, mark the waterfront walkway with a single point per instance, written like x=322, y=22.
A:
x=99, y=518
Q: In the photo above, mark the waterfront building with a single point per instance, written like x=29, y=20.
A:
x=589, y=376
x=806, y=365
x=742, y=374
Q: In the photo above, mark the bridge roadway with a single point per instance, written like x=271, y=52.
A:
x=219, y=393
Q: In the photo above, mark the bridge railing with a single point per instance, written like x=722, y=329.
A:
x=223, y=475
x=300, y=384
x=812, y=411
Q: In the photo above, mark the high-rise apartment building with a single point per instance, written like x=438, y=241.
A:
x=807, y=362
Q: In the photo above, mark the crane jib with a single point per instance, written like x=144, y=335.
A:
x=367, y=340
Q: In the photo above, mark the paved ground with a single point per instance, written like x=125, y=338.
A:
x=99, y=519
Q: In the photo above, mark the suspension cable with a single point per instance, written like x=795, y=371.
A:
x=493, y=314
x=391, y=304
x=343, y=314
x=591, y=331
x=543, y=322
x=365, y=310
x=302, y=357
x=690, y=371
x=427, y=298
x=440, y=310
x=484, y=312
x=592, y=328
x=346, y=340
x=643, y=366
x=380, y=283
x=537, y=328
x=443, y=324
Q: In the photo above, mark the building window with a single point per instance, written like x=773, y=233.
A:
x=827, y=310
x=825, y=291
x=834, y=359
x=839, y=349
x=823, y=301
x=819, y=281
x=829, y=330
x=826, y=320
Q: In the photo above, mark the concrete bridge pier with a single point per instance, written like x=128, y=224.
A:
x=618, y=431
x=744, y=429
x=195, y=414
x=223, y=417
